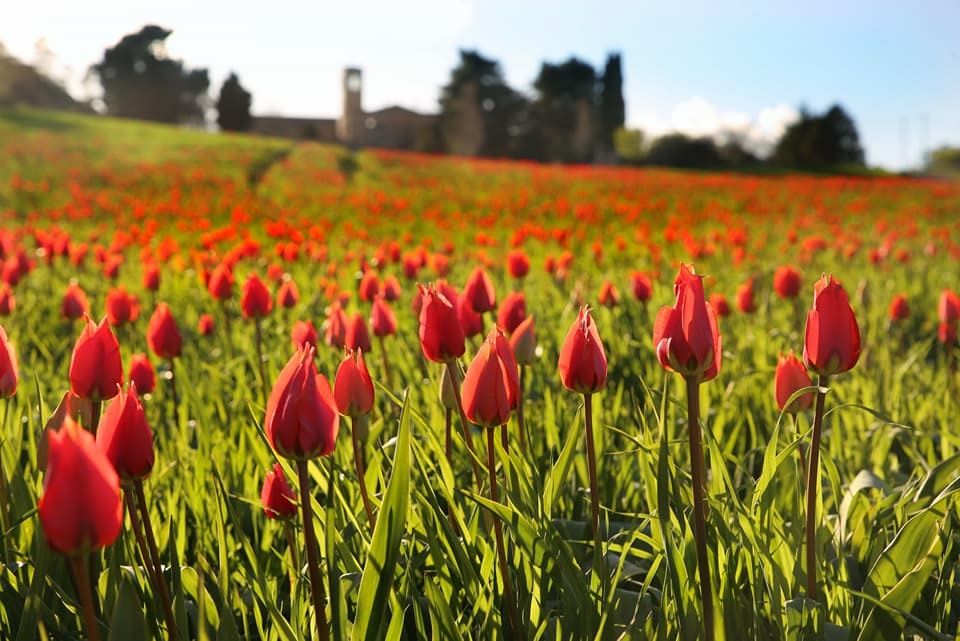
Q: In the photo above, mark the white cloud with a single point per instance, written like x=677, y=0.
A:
x=699, y=117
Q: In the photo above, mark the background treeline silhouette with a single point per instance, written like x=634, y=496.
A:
x=574, y=113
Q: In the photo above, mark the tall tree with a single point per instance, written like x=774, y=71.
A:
x=479, y=112
x=140, y=81
x=564, y=109
x=233, y=105
x=612, y=109
x=819, y=142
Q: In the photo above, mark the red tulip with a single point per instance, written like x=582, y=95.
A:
x=205, y=325
x=686, y=335
x=369, y=286
x=75, y=303
x=583, y=361
x=8, y=301
x=441, y=337
x=142, y=374
x=491, y=386
x=80, y=509
x=947, y=334
x=512, y=311
x=335, y=327
x=255, y=301
x=288, y=295
x=390, y=288
x=220, y=284
x=277, y=497
x=9, y=370
x=383, y=321
x=523, y=340
x=949, y=307
x=302, y=420
x=518, y=264
x=641, y=286
x=720, y=305
x=745, y=301
x=163, y=336
x=832, y=342
x=124, y=436
x=121, y=307
x=352, y=387
x=791, y=376
x=899, y=308
x=609, y=295
x=357, y=337
x=786, y=282
x=303, y=333
x=151, y=277
x=95, y=368
x=479, y=291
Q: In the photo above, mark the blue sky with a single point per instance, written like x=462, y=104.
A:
x=694, y=66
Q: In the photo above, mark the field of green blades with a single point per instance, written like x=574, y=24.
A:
x=134, y=216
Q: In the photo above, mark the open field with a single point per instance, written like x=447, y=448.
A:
x=93, y=202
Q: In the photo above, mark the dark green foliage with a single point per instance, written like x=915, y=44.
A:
x=612, y=109
x=233, y=105
x=817, y=142
x=140, y=81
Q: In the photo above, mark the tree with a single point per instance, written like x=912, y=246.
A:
x=479, y=113
x=820, y=142
x=564, y=109
x=140, y=81
x=612, y=109
x=678, y=150
x=233, y=105
x=944, y=161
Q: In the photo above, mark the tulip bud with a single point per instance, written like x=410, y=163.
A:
x=352, y=387
x=303, y=334
x=335, y=327
x=9, y=371
x=786, y=282
x=255, y=301
x=641, y=286
x=383, y=321
x=163, y=335
x=302, y=420
x=518, y=264
x=96, y=370
x=124, y=436
x=609, y=295
x=523, y=340
x=491, y=386
x=479, y=292
x=220, y=284
x=791, y=376
x=277, y=497
x=288, y=295
x=141, y=373
x=81, y=509
x=686, y=336
x=205, y=325
x=512, y=311
x=357, y=337
x=899, y=308
x=151, y=277
x=745, y=301
x=832, y=343
x=448, y=395
x=441, y=336
x=583, y=361
x=75, y=303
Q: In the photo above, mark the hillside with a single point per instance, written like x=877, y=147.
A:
x=22, y=84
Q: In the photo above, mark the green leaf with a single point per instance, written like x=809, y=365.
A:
x=127, y=623
x=373, y=600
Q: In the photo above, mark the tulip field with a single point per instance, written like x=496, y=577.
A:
x=381, y=395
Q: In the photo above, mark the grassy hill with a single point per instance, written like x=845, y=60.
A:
x=21, y=84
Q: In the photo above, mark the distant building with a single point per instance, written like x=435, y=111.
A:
x=393, y=127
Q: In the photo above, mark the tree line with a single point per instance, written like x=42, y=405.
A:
x=574, y=113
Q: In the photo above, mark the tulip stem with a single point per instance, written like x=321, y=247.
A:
x=95, y=407
x=464, y=424
x=359, y=422
x=258, y=336
x=498, y=532
x=313, y=564
x=812, y=475
x=128, y=499
x=81, y=577
x=698, y=465
x=448, y=438
x=520, y=424
x=154, y=556
x=599, y=560
x=294, y=555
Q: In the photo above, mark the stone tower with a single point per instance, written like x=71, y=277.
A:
x=350, y=124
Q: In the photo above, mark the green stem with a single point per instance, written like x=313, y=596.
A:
x=95, y=407
x=317, y=591
x=812, y=475
x=599, y=560
x=358, y=462
x=148, y=564
x=81, y=577
x=698, y=466
x=498, y=532
x=155, y=557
